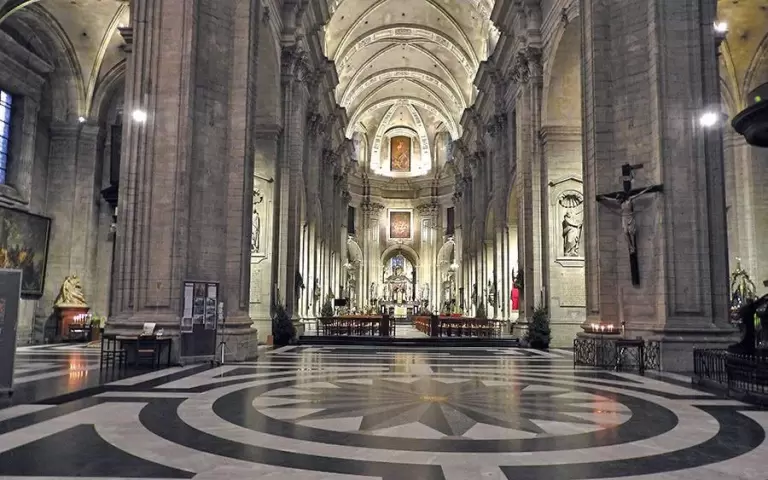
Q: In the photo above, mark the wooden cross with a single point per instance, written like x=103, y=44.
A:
x=624, y=200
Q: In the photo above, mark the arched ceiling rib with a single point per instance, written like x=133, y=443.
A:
x=417, y=102
x=368, y=63
x=415, y=56
x=409, y=33
x=456, y=100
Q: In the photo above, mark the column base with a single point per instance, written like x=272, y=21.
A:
x=242, y=339
x=677, y=344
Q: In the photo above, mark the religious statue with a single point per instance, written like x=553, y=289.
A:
x=626, y=203
x=571, y=235
x=425, y=291
x=373, y=292
x=316, y=290
x=71, y=293
x=298, y=288
x=255, y=232
x=473, y=297
x=386, y=292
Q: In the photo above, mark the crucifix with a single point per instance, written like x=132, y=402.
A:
x=623, y=201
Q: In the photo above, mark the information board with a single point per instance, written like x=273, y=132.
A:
x=10, y=296
x=199, y=318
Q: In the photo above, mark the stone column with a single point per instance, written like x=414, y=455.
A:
x=295, y=99
x=196, y=139
x=528, y=68
x=641, y=105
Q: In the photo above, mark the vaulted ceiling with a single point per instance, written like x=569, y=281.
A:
x=405, y=62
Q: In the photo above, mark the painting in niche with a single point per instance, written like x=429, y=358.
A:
x=400, y=225
x=24, y=246
x=400, y=154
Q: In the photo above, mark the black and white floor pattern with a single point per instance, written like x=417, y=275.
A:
x=346, y=413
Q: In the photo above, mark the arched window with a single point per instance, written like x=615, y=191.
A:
x=6, y=102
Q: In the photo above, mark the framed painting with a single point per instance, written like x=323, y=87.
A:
x=400, y=154
x=24, y=246
x=400, y=225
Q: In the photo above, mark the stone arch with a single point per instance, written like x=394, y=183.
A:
x=268, y=99
x=562, y=78
x=757, y=73
x=563, y=275
x=407, y=251
x=36, y=27
x=110, y=85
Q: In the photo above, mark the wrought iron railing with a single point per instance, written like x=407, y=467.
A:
x=605, y=352
x=745, y=376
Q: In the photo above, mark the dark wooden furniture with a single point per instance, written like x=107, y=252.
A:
x=454, y=326
x=356, y=326
x=112, y=353
x=116, y=349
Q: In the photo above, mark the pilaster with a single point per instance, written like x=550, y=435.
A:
x=641, y=106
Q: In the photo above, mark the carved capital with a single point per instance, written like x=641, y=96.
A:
x=330, y=158
x=427, y=210
x=533, y=58
x=520, y=70
x=294, y=63
x=315, y=123
x=372, y=210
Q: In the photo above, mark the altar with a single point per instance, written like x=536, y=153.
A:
x=400, y=309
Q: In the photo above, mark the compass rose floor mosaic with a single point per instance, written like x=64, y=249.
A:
x=354, y=413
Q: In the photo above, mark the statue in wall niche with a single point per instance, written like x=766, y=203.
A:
x=571, y=235
x=71, y=293
x=255, y=232
x=258, y=198
x=316, y=291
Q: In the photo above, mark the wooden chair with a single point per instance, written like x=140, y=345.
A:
x=112, y=352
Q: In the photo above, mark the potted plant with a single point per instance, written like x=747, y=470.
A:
x=326, y=311
x=283, y=330
x=538, y=334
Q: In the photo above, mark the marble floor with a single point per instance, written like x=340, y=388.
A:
x=344, y=413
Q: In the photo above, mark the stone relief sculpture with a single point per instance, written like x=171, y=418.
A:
x=71, y=293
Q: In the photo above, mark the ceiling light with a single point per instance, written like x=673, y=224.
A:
x=139, y=116
x=709, y=119
x=81, y=119
x=721, y=27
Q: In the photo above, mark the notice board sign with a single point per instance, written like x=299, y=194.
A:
x=10, y=296
x=199, y=318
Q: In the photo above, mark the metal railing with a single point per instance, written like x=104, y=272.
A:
x=744, y=376
x=604, y=352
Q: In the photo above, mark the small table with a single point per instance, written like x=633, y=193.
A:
x=157, y=343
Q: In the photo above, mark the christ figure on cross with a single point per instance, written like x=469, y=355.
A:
x=626, y=206
x=625, y=201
